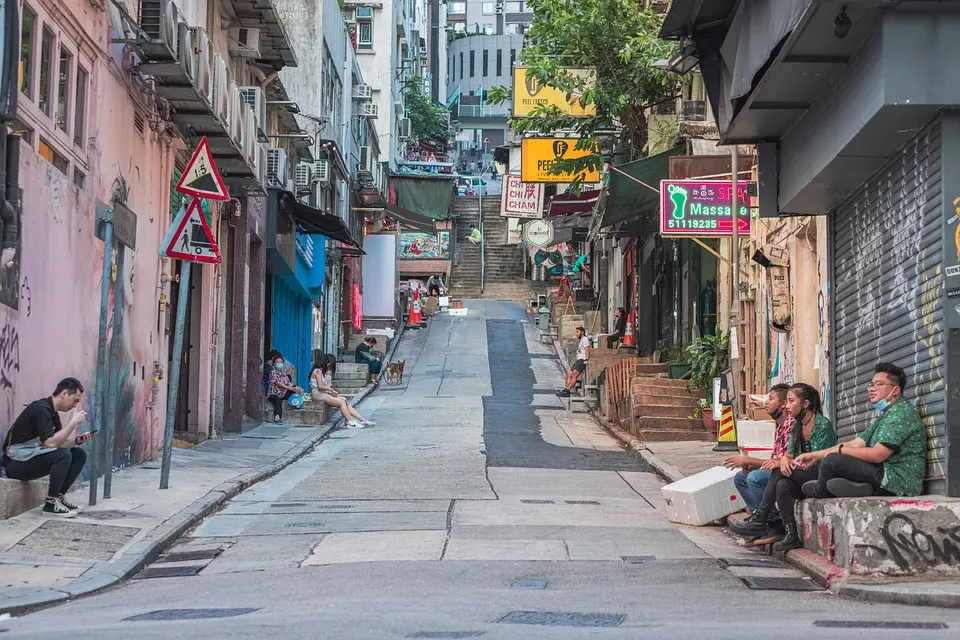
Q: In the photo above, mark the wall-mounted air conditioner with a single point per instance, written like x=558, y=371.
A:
x=321, y=171
x=302, y=176
x=363, y=13
x=362, y=92
x=244, y=42
x=406, y=128
x=255, y=97
x=276, y=168
x=369, y=110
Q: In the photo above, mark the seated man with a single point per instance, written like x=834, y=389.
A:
x=579, y=365
x=619, y=329
x=475, y=236
x=889, y=458
x=364, y=355
x=751, y=481
x=38, y=445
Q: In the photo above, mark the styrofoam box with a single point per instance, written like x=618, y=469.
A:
x=388, y=332
x=457, y=312
x=755, y=433
x=702, y=498
x=444, y=301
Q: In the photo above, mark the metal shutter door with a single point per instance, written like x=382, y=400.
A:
x=887, y=294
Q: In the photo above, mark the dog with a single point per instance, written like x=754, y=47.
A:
x=395, y=372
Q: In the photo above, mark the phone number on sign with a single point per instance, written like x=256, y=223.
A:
x=692, y=224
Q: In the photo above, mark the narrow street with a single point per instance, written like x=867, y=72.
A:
x=476, y=507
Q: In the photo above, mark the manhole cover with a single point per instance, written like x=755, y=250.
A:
x=447, y=634
x=190, y=614
x=75, y=539
x=559, y=619
x=538, y=502
x=878, y=624
x=186, y=556
x=281, y=505
x=530, y=584
x=170, y=572
x=638, y=559
x=752, y=562
x=111, y=514
x=780, y=584
x=303, y=525
x=582, y=501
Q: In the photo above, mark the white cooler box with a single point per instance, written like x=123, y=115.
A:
x=756, y=434
x=702, y=498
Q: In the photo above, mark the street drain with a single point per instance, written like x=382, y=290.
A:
x=752, y=562
x=111, y=514
x=530, y=584
x=190, y=614
x=303, y=525
x=538, y=502
x=169, y=572
x=638, y=559
x=878, y=624
x=557, y=619
x=780, y=584
x=447, y=634
x=334, y=506
x=186, y=556
x=282, y=505
x=582, y=501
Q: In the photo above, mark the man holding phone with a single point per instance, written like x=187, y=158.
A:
x=39, y=445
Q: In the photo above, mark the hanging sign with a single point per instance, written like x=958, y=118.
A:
x=521, y=199
x=696, y=208
x=538, y=233
x=189, y=237
x=537, y=156
x=201, y=179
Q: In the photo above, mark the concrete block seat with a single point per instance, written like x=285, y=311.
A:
x=310, y=415
x=885, y=536
x=17, y=496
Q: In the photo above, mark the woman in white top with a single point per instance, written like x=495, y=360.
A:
x=321, y=390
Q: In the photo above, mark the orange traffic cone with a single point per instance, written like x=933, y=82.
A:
x=628, y=333
x=416, y=314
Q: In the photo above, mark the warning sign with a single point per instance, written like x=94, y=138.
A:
x=201, y=178
x=190, y=238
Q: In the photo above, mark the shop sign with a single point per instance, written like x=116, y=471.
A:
x=696, y=208
x=537, y=156
x=521, y=199
x=538, y=233
x=529, y=93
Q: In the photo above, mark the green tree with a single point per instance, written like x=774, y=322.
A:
x=428, y=120
x=618, y=40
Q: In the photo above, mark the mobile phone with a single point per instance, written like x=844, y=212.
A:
x=92, y=431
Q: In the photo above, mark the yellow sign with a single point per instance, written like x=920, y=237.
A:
x=537, y=156
x=529, y=92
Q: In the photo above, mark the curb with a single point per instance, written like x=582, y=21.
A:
x=107, y=574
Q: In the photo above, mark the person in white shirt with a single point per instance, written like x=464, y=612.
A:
x=579, y=365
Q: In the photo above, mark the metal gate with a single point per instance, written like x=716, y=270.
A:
x=887, y=286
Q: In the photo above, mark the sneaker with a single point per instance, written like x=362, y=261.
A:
x=369, y=423
x=843, y=488
x=564, y=393
x=70, y=505
x=277, y=421
x=54, y=507
x=353, y=424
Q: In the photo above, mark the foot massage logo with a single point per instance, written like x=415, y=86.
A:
x=678, y=195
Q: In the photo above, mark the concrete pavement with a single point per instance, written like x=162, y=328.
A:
x=476, y=507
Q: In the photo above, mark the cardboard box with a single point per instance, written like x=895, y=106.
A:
x=430, y=306
x=703, y=498
x=456, y=304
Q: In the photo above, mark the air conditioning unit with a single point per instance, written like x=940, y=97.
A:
x=262, y=164
x=406, y=128
x=362, y=92
x=321, y=197
x=364, y=164
x=369, y=110
x=349, y=16
x=321, y=171
x=302, y=176
x=276, y=168
x=244, y=42
x=254, y=97
x=363, y=13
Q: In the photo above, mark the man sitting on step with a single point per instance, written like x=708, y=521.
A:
x=579, y=365
x=475, y=236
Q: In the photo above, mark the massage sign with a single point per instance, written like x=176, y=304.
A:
x=695, y=208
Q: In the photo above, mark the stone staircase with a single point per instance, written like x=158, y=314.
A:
x=350, y=378
x=503, y=263
x=662, y=407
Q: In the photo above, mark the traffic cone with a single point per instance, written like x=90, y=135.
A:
x=727, y=431
x=628, y=333
x=415, y=315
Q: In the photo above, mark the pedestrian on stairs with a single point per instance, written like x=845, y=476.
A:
x=475, y=236
x=321, y=390
x=579, y=365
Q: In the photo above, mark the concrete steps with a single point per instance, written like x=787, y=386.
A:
x=651, y=369
x=659, y=435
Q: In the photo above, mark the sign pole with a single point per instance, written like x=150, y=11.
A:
x=735, y=274
x=173, y=381
x=111, y=423
x=96, y=413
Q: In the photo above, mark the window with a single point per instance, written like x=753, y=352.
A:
x=63, y=89
x=500, y=63
x=364, y=13
x=26, y=51
x=53, y=156
x=511, y=28
x=488, y=8
x=513, y=59
x=514, y=7
x=78, y=179
x=80, y=107
x=457, y=7
x=460, y=27
x=365, y=35
x=46, y=70
x=461, y=67
x=486, y=63
x=472, y=63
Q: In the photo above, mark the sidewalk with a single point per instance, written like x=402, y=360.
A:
x=45, y=561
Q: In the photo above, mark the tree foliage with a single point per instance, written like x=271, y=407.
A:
x=618, y=40
x=428, y=120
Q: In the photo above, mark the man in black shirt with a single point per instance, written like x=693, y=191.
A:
x=39, y=445
x=620, y=329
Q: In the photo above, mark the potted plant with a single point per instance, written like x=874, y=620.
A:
x=709, y=357
x=678, y=363
x=704, y=411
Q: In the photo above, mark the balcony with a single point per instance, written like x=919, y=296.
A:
x=482, y=111
x=275, y=47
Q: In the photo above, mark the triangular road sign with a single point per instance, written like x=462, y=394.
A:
x=190, y=238
x=201, y=178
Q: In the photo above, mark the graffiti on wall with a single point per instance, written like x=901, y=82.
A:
x=913, y=548
x=9, y=356
x=424, y=246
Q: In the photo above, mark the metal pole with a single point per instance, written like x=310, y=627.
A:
x=96, y=412
x=483, y=240
x=735, y=271
x=111, y=424
x=173, y=382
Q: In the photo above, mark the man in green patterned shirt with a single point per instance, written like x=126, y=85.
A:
x=889, y=458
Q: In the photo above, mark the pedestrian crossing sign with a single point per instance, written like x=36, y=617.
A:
x=190, y=238
x=201, y=179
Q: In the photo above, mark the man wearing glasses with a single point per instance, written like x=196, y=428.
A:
x=889, y=458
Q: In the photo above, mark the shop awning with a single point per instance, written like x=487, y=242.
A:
x=568, y=204
x=311, y=220
x=572, y=228
x=428, y=197
x=633, y=190
x=410, y=219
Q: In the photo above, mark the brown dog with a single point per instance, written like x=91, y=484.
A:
x=395, y=372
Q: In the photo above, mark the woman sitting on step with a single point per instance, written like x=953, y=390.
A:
x=321, y=390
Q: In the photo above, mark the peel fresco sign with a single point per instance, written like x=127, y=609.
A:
x=696, y=208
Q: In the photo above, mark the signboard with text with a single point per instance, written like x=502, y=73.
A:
x=537, y=156
x=697, y=208
x=521, y=199
x=538, y=233
x=528, y=93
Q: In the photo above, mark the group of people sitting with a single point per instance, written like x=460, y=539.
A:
x=888, y=458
